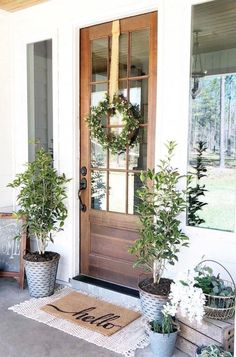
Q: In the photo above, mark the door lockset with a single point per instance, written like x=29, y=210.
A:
x=83, y=207
x=83, y=170
x=82, y=186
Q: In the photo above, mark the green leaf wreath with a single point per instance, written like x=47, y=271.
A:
x=131, y=118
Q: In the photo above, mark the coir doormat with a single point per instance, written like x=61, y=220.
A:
x=93, y=314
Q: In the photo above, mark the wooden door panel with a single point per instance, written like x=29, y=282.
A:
x=105, y=235
x=113, y=270
x=112, y=242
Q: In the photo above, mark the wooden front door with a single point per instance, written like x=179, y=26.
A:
x=109, y=225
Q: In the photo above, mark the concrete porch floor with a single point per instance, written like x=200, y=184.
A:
x=23, y=337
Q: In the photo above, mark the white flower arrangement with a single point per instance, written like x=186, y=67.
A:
x=185, y=299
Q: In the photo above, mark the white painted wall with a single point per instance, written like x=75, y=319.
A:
x=6, y=150
x=61, y=20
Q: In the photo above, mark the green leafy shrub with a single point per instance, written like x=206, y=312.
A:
x=41, y=199
x=160, y=203
x=197, y=192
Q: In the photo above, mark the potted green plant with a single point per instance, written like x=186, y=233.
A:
x=163, y=336
x=161, y=201
x=220, y=294
x=41, y=201
x=212, y=351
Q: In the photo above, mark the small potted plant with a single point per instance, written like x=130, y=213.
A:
x=163, y=336
x=160, y=203
x=184, y=299
x=41, y=200
x=212, y=351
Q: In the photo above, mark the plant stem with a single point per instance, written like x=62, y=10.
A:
x=156, y=271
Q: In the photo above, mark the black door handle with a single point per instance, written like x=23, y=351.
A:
x=82, y=186
x=83, y=207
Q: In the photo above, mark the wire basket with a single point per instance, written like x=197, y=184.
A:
x=220, y=307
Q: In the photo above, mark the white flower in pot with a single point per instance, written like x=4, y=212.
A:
x=41, y=200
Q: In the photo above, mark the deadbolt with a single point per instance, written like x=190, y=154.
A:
x=83, y=184
x=83, y=170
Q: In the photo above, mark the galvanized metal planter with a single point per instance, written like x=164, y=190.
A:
x=162, y=345
x=151, y=304
x=41, y=276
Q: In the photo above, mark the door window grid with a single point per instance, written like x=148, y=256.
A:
x=125, y=84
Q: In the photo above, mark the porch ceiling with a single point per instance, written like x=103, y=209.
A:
x=15, y=5
x=216, y=21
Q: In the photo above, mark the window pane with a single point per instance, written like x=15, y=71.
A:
x=98, y=190
x=98, y=93
x=134, y=183
x=139, y=95
x=98, y=154
x=99, y=59
x=138, y=153
x=117, y=161
x=123, y=48
x=116, y=119
x=40, y=114
x=123, y=88
x=139, y=53
x=212, y=134
x=117, y=191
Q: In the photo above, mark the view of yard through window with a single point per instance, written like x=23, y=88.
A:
x=213, y=122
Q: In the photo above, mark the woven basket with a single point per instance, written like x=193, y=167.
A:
x=220, y=307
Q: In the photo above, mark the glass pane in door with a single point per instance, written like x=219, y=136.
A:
x=123, y=88
x=138, y=153
x=139, y=53
x=99, y=59
x=123, y=55
x=139, y=96
x=117, y=192
x=98, y=190
x=98, y=154
x=98, y=93
x=117, y=161
x=134, y=183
